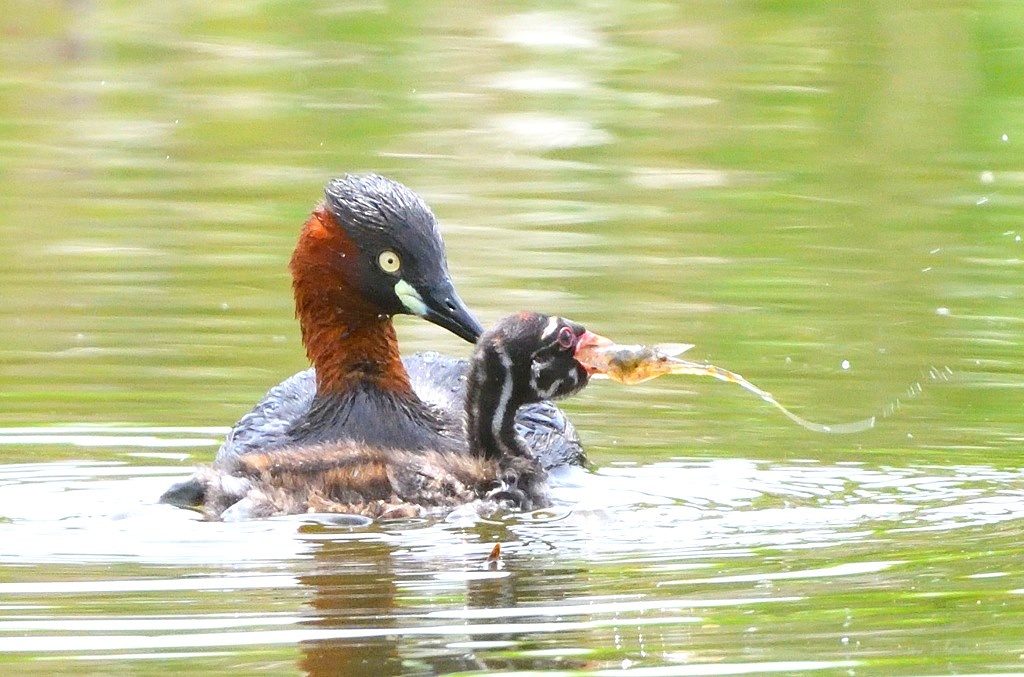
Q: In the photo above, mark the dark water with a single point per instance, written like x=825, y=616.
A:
x=822, y=197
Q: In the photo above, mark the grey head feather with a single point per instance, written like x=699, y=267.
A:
x=379, y=213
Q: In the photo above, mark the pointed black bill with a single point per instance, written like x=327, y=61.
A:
x=442, y=306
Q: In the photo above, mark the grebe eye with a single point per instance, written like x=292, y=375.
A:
x=566, y=337
x=389, y=261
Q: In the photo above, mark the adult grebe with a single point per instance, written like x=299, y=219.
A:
x=372, y=250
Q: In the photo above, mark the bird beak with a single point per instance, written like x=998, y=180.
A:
x=442, y=306
x=587, y=347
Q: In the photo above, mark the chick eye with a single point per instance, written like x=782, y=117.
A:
x=389, y=261
x=566, y=337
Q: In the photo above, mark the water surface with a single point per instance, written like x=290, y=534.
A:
x=824, y=199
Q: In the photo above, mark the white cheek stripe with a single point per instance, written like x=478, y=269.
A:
x=537, y=369
x=552, y=325
x=410, y=298
x=550, y=392
x=506, y=392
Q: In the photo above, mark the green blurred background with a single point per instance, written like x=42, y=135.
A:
x=822, y=196
x=786, y=185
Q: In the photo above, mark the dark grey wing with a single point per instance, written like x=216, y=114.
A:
x=437, y=379
x=440, y=381
x=550, y=434
x=265, y=427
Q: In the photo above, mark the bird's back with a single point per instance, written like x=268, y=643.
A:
x=438, y=380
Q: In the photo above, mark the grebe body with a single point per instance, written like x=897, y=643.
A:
x=524, y=359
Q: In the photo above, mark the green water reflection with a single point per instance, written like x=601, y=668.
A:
x=790, y=186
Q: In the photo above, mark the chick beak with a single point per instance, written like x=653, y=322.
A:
x=588, y=346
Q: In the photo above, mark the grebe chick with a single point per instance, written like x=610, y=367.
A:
x=524, y=359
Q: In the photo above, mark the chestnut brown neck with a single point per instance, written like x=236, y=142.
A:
x=350, y=343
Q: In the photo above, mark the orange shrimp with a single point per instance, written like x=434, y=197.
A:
x=631, y=364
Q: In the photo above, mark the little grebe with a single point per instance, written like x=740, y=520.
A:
x=525, y=358
x=371, y=250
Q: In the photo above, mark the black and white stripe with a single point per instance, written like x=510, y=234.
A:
x=490, y=407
